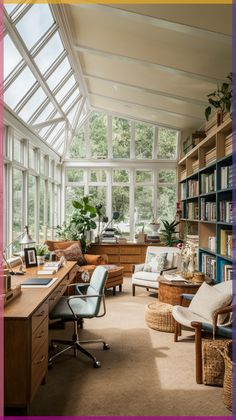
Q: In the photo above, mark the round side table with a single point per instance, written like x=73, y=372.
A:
x=169, y=291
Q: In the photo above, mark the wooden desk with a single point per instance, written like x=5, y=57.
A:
x=26, y=336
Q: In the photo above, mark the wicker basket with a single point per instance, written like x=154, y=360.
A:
x=158, y=316
x=227, y=387
x=213, y=366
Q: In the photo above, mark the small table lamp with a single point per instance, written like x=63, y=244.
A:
x=26, y=239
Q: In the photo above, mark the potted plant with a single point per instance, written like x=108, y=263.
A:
x=168, y=234
x=221, y=99
x=41, y=251
x=80, y=222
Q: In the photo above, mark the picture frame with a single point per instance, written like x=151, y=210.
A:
x=30, y=257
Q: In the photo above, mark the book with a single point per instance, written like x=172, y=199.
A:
x=38, y=282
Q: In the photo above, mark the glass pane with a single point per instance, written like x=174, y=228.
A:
x=32, y=158
x=45, y=113
x=166, y=203
x=56, y=77
x=17, y=206
x=33, y=104
x=56, y=205
x=75, y=175
x=50, y=210
x=98, y=135
x=120, y=203
x=143, y=207
x=98, y=196
x=70, y=100
x=143, y=141
x=44, y=131
x=46, y=57
x=72, y=193
x=10, y=7
x=120, y=175
x=32, y=205
x=72, y=114
x=34, y=24
x=98, y=175
x=42, y=164
x=78, y=146
x=18, y=152
x=167, y=144
x=55, y=131
x=11, y=56
x=65, y=89
x=19, y=88
x=121, y=135
x=144, y=176
x=167, y=175
x=59, y=143
x=42, y=202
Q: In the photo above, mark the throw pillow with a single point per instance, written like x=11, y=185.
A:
x=208, y=300
x=155, y=263
x=72, y=253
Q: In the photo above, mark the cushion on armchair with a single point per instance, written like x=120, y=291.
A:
x=95, y=259
x=72, y=253
x=155, y=263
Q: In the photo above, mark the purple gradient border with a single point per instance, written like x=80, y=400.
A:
x=1, y=211
x=234, y=203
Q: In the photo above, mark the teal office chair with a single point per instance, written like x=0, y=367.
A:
x=73, y=308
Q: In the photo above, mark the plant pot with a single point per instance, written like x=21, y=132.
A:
x=219, y=118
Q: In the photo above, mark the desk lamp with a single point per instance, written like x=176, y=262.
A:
x=26, y=239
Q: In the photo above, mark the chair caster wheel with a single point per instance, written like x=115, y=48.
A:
x=97, y=364
x=106, y=346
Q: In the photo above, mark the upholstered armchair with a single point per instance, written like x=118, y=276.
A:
x=158, y=259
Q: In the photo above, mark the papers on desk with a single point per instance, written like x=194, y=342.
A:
x=173, y=277
x=38, y=282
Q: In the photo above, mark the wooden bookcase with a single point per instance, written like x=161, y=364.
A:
x=202, y=197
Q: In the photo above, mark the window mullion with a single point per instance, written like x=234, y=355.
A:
x=132, y=142
x=155, y=143
x=109, y=137
x=109, y=193
x=154, y=202
x=132, y=202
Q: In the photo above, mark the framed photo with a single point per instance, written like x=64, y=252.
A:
x=30, y=257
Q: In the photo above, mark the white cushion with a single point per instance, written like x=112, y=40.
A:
x=208, y=300
x=225, y=286
x=155, y=262
x=144, y=275
x=184, y=316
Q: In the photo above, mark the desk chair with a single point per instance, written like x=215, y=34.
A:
x=73, y=308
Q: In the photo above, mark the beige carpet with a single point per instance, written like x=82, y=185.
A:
x=143, y=374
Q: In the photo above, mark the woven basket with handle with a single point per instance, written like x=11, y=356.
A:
x=227, y=386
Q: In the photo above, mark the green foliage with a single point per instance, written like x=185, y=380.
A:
x=121, y=131
x=41, y=250
x=221, y=98
x=168, y=234
x=77, y=147
x=144, y=141
x=167, y=144
x=98, y=135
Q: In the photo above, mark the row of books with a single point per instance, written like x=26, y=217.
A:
x=192, y=187
x=226, y=211
x=208, y=210
x=209, y=265
x=212, y=243
x=226, y=239
x=226, y=177
x=195, y=165
x=183, y=191
x=192, y=211
x=208, y=182
x=228, y=144
x=227, y=272
x=210, y=156
x=183, y=174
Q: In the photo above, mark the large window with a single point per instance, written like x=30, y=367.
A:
x=18, y=209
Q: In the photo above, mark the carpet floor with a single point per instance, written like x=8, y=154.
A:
x=143, y=374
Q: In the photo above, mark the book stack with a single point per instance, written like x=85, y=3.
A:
x=208, y=210
x=226, y=177
x=227, y=272
x=50, y=267
x=183, y=191
x=228, y=144
x=108, y=236
x=208, y=182
x=210, y=156
x=209, y=266
x=226, y=211
x=183, y=174
x=192, y=188
x=226, y=242
x=195, y=166
x=192, y=211
x=212, y=243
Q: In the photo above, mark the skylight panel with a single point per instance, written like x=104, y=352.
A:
x=65, y=88
x=10, y=7
x=35, y=23
x=43, y=132
x=59, y=140
x=19, y=88
x=46, y=57
x=70, y=100
x=55, y=131
x=12, y=56
x=60, y=72
x=72, y=114
x=45, y=113
x=32, y=105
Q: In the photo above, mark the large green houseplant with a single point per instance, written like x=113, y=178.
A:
x=168, y=234
x=80, y=222
x=221, y=98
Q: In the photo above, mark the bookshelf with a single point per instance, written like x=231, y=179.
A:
x=205, y=194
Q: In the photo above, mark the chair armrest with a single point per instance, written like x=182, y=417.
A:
x=186, y=296
x=83, y=297
x=137, y=267
x=168, y=269
x=93, y=259
x=222, y=311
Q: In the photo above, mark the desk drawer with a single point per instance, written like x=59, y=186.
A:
x=38, y=316
x=39, y=336
x=39, y=367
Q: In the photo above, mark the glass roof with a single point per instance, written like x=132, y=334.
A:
x=41, y=86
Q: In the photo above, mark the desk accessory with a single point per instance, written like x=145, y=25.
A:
x=38, y=282
x=30, y=257
x=26, y=239
x=11, y=294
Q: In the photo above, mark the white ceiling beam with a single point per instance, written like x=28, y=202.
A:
x=48, y=122
x=172, y=70
x=125, y=102
x=146, y=90
x=161, y=23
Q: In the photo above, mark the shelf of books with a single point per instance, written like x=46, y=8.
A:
x=205, y=194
